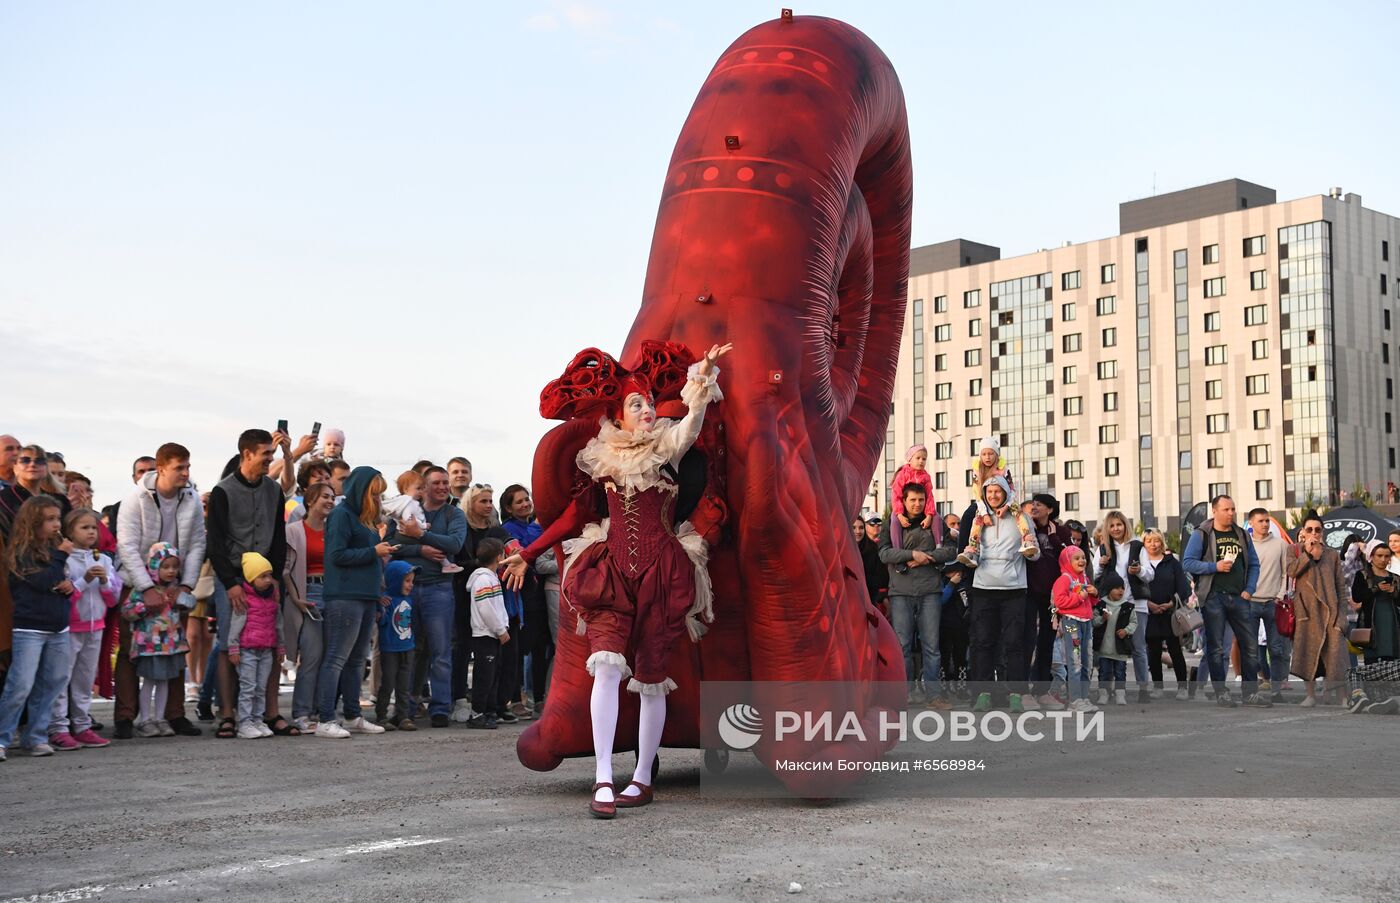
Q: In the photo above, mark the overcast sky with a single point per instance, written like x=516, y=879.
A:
x=404, y=219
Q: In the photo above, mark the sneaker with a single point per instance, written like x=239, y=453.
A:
x=1051, y=702
x=1029, y=547
x=361, y=726
x=148, y=729
x=123, y=730
x=305, y=725
x=522, y=711
x=204, y=713
x=440, y=720
x=407, y=725
x=983, y=703
x=1156, y=693
x=938, y=704
x=331, y=730
x=39, y=750
x=264, y=730
x=1120, y=697
x=64, y=742
x=1356, y=703
x=449, y=567
x=249, y=731
x=1258, y=701
x=165, y=729
x=1028, y=703
x=1014, y=704
x=2, y=753
x=968, y=557
x=90, y=740
x=1102, y=698
x=506, y=717
x=482, y=723
x=1182, y=694
x=1265, y=686
x=386, y=724
x=1082, y=705
x=1224, y=700
x=1384, y=707
x=462, y=711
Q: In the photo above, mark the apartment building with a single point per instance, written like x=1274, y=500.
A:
x=1223, y=342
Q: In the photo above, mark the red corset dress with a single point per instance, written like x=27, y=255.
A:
x=634, y=589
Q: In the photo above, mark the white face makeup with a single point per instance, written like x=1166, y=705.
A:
x=637, y=413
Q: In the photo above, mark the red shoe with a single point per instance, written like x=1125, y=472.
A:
x=91, y=740
x=600, y=809
x=63, y=742
x=634, y=802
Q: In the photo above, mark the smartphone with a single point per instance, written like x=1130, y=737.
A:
x=282, y=427
x=316, y=429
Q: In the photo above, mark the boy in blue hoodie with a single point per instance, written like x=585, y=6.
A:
x=396, y=648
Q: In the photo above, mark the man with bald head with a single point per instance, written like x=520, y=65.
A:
x=9, y=453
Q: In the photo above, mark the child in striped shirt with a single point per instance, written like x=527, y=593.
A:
x=490, y=630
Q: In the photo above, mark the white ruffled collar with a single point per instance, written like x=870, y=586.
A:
x=630, y=458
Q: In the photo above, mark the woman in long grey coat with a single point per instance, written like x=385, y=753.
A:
x=1319, y=637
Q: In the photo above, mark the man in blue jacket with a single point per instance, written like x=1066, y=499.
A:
x=1224, y=587
x=433, y=606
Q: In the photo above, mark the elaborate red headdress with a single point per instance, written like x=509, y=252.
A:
x=594, y=384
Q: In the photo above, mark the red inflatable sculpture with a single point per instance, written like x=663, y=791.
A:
x=784, y=229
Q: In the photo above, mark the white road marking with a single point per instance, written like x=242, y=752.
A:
x=89, y=891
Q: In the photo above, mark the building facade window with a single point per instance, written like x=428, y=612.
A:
x=1110, y=401
x=1217, y=423
x=1214, y=288
x=1259, y=349
x=940, y=362
x=974, y=327
x=1263, y=490
x=1110, y=467
x=1259, y=454
x=1074, y=405
x=1070, y=280
x=1106, y=305
x=1210, y=254
x=1257, y=384
x=1072, y=342
x=1218, y=489
x=1108, y=434
x=972, y=357
x=1071, y=501
x=1262, y=419
x=974, y=387
x=1074, y=470
x=940, y=421
x=1258, y=280
x=972, y=417
x=1022, y=411
x=972, y=298
x=940, y=304
x=1215, y=355
x=1255, y=246
x=1107, y=273
x=1256, y=315
x=1215, y=458
x=1068, y=375
x=942, y=391
x=1071, y=438
x=1110, y=337
x=1067, y=312
x=943, y=333
x=1108, y=369
x=943, y=451
x=940, y=480
x=1214, y=389
x=1213, y=321
x=1108, y=499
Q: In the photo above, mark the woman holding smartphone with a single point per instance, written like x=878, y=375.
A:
x=353, y=585
x=1319, y=644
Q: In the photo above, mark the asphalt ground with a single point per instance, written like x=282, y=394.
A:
x=450, y=814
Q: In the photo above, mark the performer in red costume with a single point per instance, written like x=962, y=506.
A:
x=636, y=583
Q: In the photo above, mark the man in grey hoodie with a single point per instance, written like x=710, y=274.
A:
x=1272, y=552
x=916, y=600
x=999, y=600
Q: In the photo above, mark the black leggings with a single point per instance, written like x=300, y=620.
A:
x=1154, y=658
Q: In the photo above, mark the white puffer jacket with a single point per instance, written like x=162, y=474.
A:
x=138, y=528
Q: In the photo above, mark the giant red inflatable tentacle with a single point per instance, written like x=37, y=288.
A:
x=793, y=243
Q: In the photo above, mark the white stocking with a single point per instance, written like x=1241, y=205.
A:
x=653, y=719
x=602, y=706
x=147, y=697
x=162, y=696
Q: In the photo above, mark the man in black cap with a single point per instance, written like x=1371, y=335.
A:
x=1044, y=512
